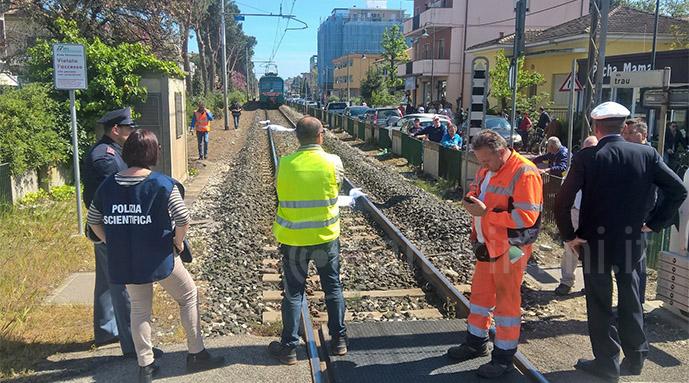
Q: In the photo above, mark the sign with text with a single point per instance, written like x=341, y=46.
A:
x=69, y=66
x=643, y=79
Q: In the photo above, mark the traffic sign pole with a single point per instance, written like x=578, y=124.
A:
x=75, y=155
x=69, y=73
x=570, y=130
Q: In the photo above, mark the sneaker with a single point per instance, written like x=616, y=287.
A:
x=563, y=289
x=205, y=157
x=204, y=361
x=285, y=354
x=147, y=373
x=200, y=158
x=465, y=352
x=338, y=345
x=493, y=369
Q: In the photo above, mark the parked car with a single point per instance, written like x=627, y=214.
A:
x=379, y=116
x=356, y=112
x=336, y=107
x=498, y=124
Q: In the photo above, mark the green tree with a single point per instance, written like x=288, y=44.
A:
x=501, y=90
x=114, y=72
x=394, y=54
x=373, y=80
x=673, y=8
x=34, y=130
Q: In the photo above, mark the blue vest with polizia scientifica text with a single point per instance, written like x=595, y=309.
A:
x=138, y=228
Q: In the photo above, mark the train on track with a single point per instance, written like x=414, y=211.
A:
x=271, y=90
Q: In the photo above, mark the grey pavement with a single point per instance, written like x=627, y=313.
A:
x=246, y=355
x=77, y=288
x=548, y=277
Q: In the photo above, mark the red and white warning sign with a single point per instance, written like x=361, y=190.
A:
x=566, y=86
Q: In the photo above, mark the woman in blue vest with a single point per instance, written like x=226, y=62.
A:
x=133, y=211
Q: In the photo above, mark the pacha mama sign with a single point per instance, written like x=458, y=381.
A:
x=677, y=60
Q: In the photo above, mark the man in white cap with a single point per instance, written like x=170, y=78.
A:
x=614, y=177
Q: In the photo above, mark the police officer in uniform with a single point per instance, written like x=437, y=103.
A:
x=111, y=307
x=614, y=176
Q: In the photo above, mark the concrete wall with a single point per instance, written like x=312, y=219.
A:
x=431, y=158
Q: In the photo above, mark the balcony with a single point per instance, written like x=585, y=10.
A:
x=438, y=67
x=430, y=18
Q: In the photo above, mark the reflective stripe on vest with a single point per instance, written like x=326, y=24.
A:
x=201, y=122
x=307, y=191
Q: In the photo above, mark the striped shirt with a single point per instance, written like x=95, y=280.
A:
x=176, y=207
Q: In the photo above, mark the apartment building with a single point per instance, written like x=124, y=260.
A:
x=441, y=31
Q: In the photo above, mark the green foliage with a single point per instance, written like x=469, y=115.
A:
x=373, y=81
x=57, y=193
x=333, y=98
x=114, y=72
x=501, y=90
x=214, y=101
x=62, y=193
x=394, y=54
x=33, y=130
x=381, y=97
x=673, y=8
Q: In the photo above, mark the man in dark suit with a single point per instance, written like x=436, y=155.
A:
x=615, y=178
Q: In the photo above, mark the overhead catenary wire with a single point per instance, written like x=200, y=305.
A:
x=275, y=51
x=530, y=13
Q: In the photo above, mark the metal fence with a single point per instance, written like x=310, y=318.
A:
x=551, y=186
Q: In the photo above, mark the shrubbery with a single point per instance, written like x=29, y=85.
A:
x=214, y=102
x=34, y=131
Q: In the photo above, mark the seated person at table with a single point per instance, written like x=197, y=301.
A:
x=555, y=158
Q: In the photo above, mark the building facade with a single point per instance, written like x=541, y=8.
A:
x=351, y=30
x=441, y=31
x=629, y=42
x=349, y=71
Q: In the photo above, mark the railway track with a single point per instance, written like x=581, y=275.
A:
x=434, y=282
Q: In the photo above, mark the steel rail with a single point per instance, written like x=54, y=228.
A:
x=309, y=337
x=431, y=274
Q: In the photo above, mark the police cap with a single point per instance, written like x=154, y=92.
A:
x=609, y=109
x=118, y=117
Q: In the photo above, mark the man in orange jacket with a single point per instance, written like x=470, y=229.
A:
x=506, y=202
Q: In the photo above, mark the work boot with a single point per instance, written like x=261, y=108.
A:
x=147, y=373
x=629, y=368
x=465, y=352
x=285, y=354
x=562, y=290
x=493, y=369
x=591, y=367
x=338, y=345
x=204, y=361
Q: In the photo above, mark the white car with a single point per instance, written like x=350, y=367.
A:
x=498, y=124
x=407, y=121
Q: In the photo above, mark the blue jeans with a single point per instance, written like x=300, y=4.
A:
x=111, y=309
x=295, y=265
x=202, y=139
x=236, y=120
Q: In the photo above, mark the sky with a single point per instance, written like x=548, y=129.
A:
x=292, y=56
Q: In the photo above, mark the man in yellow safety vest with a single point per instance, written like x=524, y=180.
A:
x=307, y=226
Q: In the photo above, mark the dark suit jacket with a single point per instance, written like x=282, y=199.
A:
x=616, y=178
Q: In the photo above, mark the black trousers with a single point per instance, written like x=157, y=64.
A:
x=608, y=332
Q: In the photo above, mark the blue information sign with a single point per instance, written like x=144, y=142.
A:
x=239, y=18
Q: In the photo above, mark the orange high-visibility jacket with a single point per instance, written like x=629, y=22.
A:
x=201, y=122
x=519, y=180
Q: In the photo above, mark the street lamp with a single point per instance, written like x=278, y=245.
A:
x=425, y=35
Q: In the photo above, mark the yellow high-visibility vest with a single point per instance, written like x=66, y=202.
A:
x=307, y=191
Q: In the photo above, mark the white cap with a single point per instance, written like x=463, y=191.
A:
x=609, y=109
x=421, y=109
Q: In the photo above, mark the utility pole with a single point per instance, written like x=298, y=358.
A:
x=520, y=8
x=655, y=36
x=224, y=64
x=246, y=57
x=593, y=89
